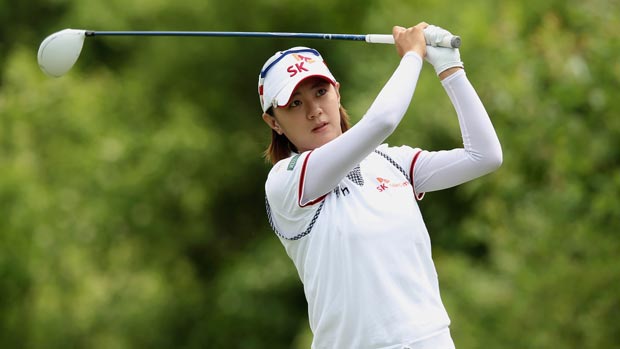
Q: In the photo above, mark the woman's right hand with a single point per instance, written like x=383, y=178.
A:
x=410, y=39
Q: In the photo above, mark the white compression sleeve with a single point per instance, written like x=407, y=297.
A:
x=482, y=151
x=328, y=164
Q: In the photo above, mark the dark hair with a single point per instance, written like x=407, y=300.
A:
x=281, y=148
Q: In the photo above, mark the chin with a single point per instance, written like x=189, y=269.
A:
x=327, y=138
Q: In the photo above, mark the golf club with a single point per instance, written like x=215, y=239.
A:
x=59, y=51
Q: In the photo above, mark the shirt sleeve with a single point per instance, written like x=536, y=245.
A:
x=328, y=164
x=481, y=152
x=405, y=159
x=289, y=219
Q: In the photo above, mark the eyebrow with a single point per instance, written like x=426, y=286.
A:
x=318, y=83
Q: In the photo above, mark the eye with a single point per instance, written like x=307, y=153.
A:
x=321, y=91
x=294, y=103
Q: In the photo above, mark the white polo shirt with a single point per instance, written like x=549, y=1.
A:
x=363, y=254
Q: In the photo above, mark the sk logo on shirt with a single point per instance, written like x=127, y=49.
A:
x=385, y=184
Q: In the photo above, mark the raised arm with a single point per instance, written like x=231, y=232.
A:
x=481, y=152
x=328, y=164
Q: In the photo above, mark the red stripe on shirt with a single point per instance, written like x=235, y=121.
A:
x=415, y=159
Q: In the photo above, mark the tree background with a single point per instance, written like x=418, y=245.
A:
x=131, y=189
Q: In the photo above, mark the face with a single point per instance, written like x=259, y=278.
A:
x=312, y=116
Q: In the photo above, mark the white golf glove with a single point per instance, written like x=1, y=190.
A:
x=441, y=58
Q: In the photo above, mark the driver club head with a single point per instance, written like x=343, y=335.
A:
x=59, y=51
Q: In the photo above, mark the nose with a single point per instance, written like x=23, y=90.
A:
x=314, y=110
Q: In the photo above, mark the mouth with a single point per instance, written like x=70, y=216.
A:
x=322, y=126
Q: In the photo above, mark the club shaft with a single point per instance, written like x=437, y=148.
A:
x=323, y=36
x=451, y=41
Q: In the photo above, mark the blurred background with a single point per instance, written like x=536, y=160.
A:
x=131, y=189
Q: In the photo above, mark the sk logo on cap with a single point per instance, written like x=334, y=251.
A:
x=299, y=67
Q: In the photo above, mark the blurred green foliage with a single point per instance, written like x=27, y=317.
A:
x=131, y=189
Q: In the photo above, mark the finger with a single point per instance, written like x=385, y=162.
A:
x=422, y=25
x=396, y=30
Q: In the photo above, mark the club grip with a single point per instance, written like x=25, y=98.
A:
x=380, y=39
x=450, y=41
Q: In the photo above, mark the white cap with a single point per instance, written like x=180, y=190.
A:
x=285, y=70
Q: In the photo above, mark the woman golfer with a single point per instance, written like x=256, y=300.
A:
x=344, y=204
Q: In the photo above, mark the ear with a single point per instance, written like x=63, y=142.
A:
x=272, y=123
x=337, y=89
